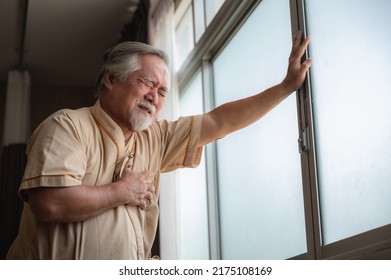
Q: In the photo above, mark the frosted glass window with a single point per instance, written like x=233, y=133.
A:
x=351, y=48
x=212, y=7
x=191, y=26
x=260, y=187
x=192, y=208
x=199, y=16
x=184, y=37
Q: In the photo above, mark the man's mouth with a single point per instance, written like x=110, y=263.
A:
x=147, y=108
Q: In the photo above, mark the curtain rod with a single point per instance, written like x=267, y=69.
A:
x=24, y=8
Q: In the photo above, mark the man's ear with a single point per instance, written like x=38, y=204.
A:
x=108, y=79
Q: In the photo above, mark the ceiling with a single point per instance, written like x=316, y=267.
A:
x=64, y=39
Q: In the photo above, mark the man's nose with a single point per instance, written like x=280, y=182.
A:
x=152, y=96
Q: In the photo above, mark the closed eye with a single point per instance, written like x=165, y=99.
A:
x=162, y=91
x=146, y=82
x=151, y=84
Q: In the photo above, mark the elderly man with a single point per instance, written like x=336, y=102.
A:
x=91, y=184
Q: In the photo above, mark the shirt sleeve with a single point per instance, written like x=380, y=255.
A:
x=180, y=142
x=56, y=157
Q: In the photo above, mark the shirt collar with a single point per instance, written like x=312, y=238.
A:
x=107, y=124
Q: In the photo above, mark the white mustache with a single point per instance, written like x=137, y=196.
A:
x=147, y=105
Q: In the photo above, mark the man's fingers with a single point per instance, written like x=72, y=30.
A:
x=297, y=40
x=148, y=175
x=147, y=179
x=148, y=196
x=143, y=205
x=299, y=47
x=303, y=46
x=150, y=187
x=306, y=65
x=141, y=188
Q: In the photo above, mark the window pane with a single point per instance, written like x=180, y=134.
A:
x=184, y=37
x=199, y=18
x=351, y=48
x=212, y=7
x=260, y=187
x=192, y=208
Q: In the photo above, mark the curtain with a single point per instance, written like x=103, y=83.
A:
x=137, y=28
x=17, y=109
x=13, y=163
x=161, y=35
x=13, y=158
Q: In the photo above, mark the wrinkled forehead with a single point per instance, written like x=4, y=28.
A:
x=155, y=68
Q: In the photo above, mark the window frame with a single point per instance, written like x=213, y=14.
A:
x=374, y=244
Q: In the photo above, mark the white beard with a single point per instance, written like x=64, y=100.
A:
x=139, y=119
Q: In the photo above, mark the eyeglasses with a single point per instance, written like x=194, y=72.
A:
x=151, y=84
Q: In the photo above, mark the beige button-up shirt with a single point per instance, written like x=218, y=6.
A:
x=85, y=146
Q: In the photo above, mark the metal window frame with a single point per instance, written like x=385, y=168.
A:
x=307, y=145
x=373, y=244
x=227, y=21
x=224, y=25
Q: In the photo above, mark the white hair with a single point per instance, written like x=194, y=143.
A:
x=124, y=59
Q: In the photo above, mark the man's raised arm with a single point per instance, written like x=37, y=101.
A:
x=238, y=114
